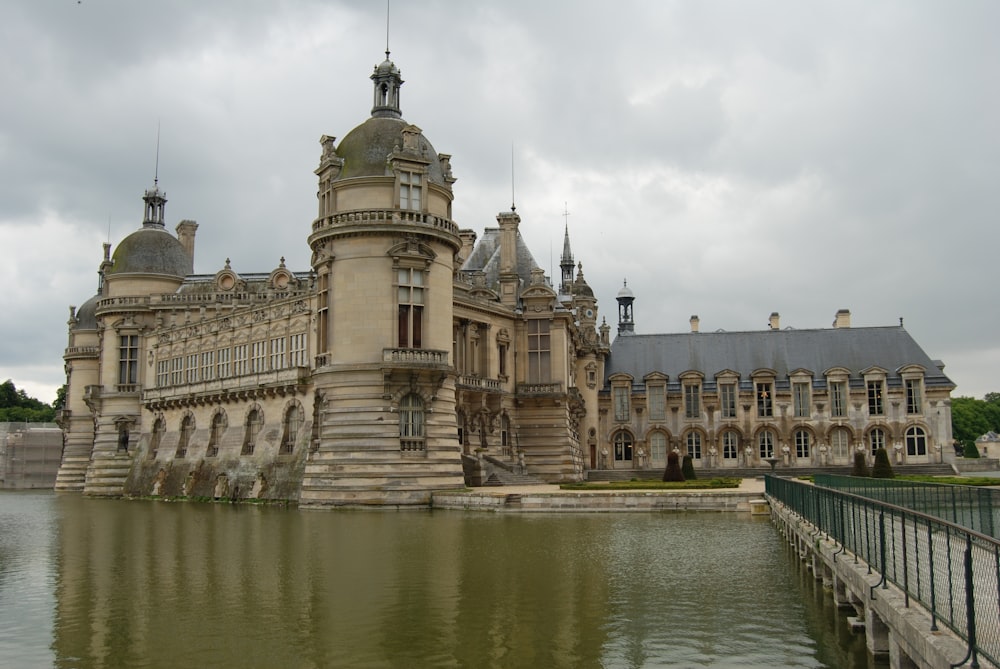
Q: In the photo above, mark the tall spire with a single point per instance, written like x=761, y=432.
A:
x=156, y=201
x=566, y=263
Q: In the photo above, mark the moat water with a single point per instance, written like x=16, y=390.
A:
x=88, y=583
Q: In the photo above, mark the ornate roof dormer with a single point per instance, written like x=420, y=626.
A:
x=388, y=81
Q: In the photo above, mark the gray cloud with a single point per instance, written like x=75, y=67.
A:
x=729, y=158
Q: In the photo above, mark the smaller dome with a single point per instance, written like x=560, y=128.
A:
x=86, y=315
x=625, y=291
x=151, y=250
x=387, y=67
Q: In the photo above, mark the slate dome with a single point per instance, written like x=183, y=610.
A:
x=366, y=149
x=151, y=250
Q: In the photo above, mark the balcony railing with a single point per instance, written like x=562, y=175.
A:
x=384, y=216
x=480, y=383
x=539, y=388
x=414, y=356
x=289, y=376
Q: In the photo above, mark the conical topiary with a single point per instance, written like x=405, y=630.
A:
x=882, y=469
x=687, y=468
x=860, y=464
x=673, y=471
x=971, y=450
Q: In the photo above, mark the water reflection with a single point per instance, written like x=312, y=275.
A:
x=151, y=584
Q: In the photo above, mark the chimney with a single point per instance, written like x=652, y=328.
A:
x=468, y=238
x=775, y=320
x=842, y=319
x=694, y=323
x=185, y=234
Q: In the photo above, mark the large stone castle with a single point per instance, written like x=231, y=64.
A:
x=414, y=356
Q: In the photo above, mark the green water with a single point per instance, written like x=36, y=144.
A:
x=101, y=583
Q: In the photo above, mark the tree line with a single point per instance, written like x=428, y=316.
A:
x=16, y=406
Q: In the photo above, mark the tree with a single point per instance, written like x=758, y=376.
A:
x=17, y=407
x=971, y=450
x=673, y=471
x=970, y=419
x=860, y=465
x=882, y=469
x=687, y=468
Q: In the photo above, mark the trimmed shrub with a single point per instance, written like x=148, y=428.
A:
x=673, y=471
x=971, y=450
x=860, y=465
x=882, y=469
x=687, y=468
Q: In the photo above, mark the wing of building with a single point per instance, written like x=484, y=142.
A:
x=413, y=356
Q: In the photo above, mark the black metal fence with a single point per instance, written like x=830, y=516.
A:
x=973, y=507
x=953, y=571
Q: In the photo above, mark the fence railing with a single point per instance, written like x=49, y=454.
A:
x=953, y=571
x=972, y=507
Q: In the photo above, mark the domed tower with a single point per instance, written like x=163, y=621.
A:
x=383, y=252
x=108, y=344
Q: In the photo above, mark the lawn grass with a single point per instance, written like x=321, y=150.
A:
x=650, y=484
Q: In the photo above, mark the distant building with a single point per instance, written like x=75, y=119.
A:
x=805, y=398
x=30, y=454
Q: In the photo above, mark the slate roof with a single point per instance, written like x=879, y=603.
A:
x=784, y=351
x=485, y=257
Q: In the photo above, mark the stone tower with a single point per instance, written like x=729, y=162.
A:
x=384, y=248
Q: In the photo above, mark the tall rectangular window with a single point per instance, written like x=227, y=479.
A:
x=539, y=361
x=258, y=357
x=502, y=356
x=727, y=400
x=224, y=369
x=914, y=399
x=177, y=371
x=162, y=373
x=765, y=402
x=621, y=403
x=277, y=347
x=240, y=360
x=800, y=397
x=657, y=398
x=191, y=369
x=207, y=365
x=128, y=359
x=409, y=191
x=692, y=401
x=838, y=399
x=875, y=405
x=411, y=307
x=297, y=350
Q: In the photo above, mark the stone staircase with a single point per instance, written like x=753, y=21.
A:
x=106, y=477
x=502, y=473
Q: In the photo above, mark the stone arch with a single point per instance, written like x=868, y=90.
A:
x=253, y=423
x=292, y=419
x=216, y=431
x=185, y=431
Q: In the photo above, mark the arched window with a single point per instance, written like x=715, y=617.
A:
x=916, y=441
x=623, y=446
x=215, y=435
x=876, y=439
x=411, y=423
x=802, y=442
x=159, y=427
x=658, y=448
x=730, y=445
x=765, y=444
x=693, y=441
x=187, y=428
x=290, y=428
x=254, y=422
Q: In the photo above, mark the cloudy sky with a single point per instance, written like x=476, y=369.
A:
x=729, y=159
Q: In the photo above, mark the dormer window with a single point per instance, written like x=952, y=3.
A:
x=410, y=191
